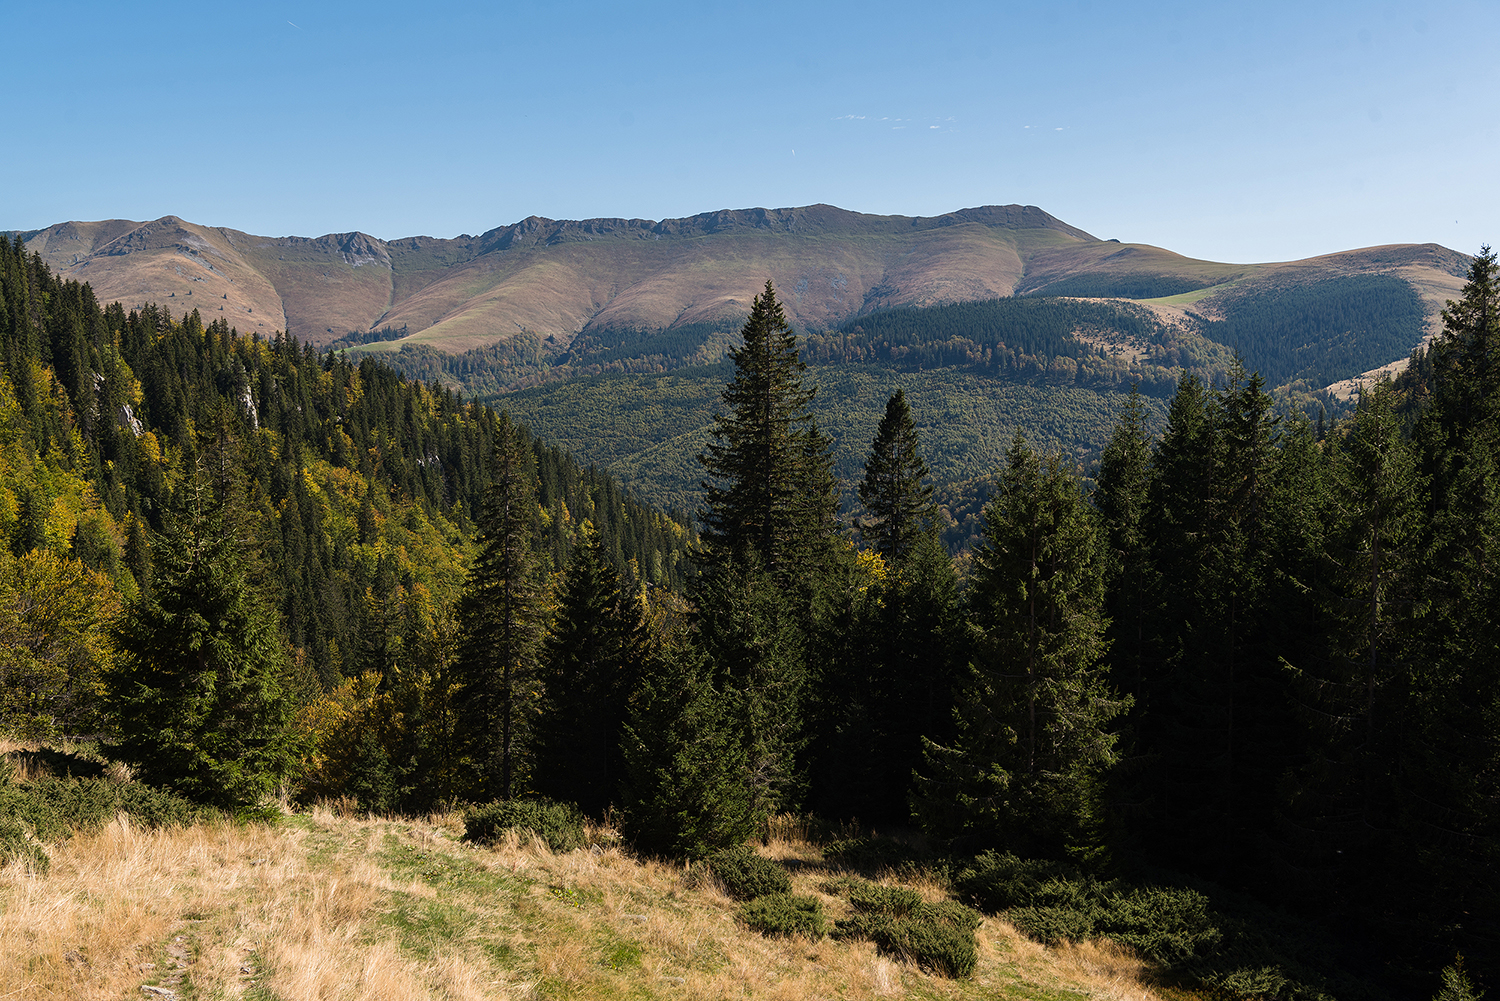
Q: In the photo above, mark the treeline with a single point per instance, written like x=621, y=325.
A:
x=1117, y=286
x=1017, y=338
x=1314, y=333
x=524, y=361
x=1257, y=663
x=362, y=485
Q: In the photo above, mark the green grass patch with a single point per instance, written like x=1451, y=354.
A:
x=423, y=926
x=442, y=870
x=619, y=954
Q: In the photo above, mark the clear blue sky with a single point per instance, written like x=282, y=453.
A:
x=1238, y=132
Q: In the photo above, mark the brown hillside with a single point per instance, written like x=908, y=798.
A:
x=557, y=277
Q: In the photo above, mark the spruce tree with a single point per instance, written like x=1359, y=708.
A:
x=1121, y=497
x=898, y=502
x=589, y=667
x=770, y=546
x=501, y=619
x=198, y=695
x=1033, y=737
x=769, y=490
x=685, y=792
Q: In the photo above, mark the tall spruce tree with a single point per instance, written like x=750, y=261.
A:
x=1121, y=497
x=898, y=502
x=1025, y=768
x=770, y=545
x=501, y=618
x=589, y=666
x=769, y=491
x=199, y=695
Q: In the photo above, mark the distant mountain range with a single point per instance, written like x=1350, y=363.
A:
x=557, y=279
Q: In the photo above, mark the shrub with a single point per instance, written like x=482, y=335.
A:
x=932, y=937
x=52, y=809
x=937, y=937
x=15, y=846
x=784, y=914
x=896, y=901
x=560, y=825
x=746, y=875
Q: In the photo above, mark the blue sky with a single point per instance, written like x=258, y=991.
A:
x=1236, y=132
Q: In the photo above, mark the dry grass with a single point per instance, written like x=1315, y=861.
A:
x=328, y=906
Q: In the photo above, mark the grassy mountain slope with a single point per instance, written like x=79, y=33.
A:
x=556, y=278
x=325, y=904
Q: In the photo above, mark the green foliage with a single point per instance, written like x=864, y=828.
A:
x=560, y=825
x=687, y=779
x=1118, y=286
x=746, y=875
x=784, y=914
x=768, y=496
x=1051, y=903
x=52, y=809
x=1456, y=984
x=198, y=699
x=1319, y=331
x=502, y=619
x=590, y=666
x=896, y=499
x=876, y=898
x=937, y=937
x=1033, y=733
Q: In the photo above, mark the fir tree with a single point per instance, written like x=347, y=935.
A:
x=591, y=657
x=686, y=793
x=1033, y=740
x=501, y=619
x=769, y=488
x=198, y=696
x=1121, y=497
x=897, y=500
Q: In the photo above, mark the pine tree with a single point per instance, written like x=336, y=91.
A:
x=1033, y=739
x=501, y=619
x=591, y=658
x=686, y=793
x=899, y=503
x=1121, y=497
x=769, y=488
x=198, y=695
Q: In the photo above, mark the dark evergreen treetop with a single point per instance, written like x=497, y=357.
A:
x=769, y=486
x=199, y=699
x=894, y=493
x=502, y=616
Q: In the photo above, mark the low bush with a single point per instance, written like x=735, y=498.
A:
x=51, y=809
x=896, y=901
x=928, y=938
x=937, y=937
x=784, y=914
x=560, y=825
x=746, y=875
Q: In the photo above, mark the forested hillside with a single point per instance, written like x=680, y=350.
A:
x=360, y=486
x=1236, y=707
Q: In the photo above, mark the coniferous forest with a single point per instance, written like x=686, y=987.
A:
x=1237, y=706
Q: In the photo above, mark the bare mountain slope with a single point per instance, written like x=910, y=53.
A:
x=557, y=278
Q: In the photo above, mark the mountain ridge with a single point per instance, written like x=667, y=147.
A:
x=556, y=278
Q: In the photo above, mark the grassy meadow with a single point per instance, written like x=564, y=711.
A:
x=327, y=903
